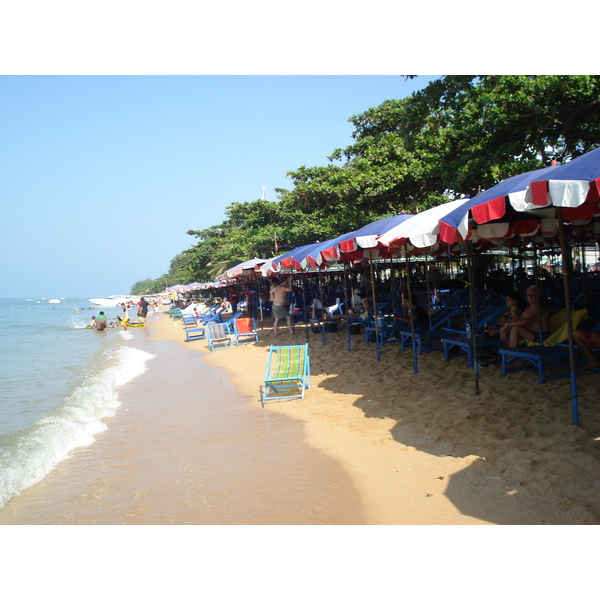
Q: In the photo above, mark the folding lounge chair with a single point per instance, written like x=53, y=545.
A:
x=551, y=348
x=218, y=336
x=211, y=310
x=244, y=330
x=214, y=317
x=229, y=322
x=288, y=373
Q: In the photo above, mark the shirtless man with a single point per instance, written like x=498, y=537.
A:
x=280, y=308
x=528, y=326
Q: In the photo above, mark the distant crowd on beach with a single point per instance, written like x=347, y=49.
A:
x=101, y=323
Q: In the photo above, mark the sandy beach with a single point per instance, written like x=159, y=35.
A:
x=424, y=449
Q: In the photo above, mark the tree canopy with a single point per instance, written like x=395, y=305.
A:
x=459, y=135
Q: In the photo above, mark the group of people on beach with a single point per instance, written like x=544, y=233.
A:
x=521, y=322
x=100, y=323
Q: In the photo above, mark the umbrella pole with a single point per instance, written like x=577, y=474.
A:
x=374, y=309
x=322, y=312
x=473, y=296
x=428, y=289
x=583, y=273
x=412, y=318
x=304, y=305
x=347, y=303
x=565, y=271
x=293, y=304
x=536, y=282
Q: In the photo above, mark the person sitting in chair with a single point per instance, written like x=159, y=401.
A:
x=515, y=308
x=419, y=313
x=367, y=305
x=586, y=341
x=528, y=326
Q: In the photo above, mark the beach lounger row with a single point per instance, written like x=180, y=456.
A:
x=235, y=331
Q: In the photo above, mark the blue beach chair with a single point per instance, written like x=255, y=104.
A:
x=213, y=315
x=229, y=322
x=218, y=336
x=288, y=373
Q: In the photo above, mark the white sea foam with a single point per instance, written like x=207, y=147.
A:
x=27, y=456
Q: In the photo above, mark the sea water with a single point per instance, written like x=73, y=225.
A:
x=58, y=381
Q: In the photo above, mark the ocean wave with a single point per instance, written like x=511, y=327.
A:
x=27, y=456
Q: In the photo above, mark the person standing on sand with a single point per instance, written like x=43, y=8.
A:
x=125, y=317
x=279, y=297
x=143, y=309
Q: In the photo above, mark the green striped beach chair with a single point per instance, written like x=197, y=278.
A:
x=288, y=373
x=218, y=336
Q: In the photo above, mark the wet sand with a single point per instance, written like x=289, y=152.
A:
x=184, y=449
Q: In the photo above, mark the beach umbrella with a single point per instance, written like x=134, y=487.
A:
x=541, y=201
x=245, y=268
x=569, y=186
x=491, y=205
x=422, y=229
x=362, y=243
x=298, y=259
x=272, y=266
x=573, y=189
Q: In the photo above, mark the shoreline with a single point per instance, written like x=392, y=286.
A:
x=183, y=449
x=436, y=454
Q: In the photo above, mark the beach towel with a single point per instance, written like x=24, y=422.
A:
x=244, y=325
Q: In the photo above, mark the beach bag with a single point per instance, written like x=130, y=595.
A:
x=330, y=326
x=354, y=328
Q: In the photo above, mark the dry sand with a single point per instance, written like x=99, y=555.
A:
x=424, y=449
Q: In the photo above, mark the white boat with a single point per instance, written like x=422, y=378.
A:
x=114, y=300
x=54, y=301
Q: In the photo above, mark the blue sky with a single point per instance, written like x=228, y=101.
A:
x=102, y=176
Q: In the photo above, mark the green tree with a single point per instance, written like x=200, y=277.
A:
x=459, y=135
